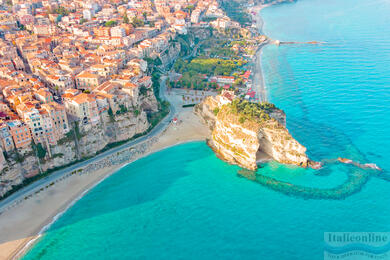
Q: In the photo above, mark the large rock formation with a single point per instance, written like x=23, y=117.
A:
x=23, y=163
x=241, y=131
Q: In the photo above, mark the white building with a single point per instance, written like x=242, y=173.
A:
x=88, y=14
x=118, y=31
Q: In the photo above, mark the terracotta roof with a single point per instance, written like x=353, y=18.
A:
x=86, y=74
x=83, y=98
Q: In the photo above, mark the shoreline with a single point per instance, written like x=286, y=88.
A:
x=70, y=190
x=258, y=73
x=22, y=250
x=19, y=234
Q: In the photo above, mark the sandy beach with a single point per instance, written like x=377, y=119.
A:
x=258, y=75
x=21, y=225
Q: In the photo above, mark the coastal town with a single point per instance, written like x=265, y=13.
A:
x=160, y=106
x=80, y=77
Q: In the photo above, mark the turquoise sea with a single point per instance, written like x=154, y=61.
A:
x=184, y=203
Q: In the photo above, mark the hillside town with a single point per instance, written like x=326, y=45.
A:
x=77, y=77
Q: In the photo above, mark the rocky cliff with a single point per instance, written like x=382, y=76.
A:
x=242, y=132
x=84, y=143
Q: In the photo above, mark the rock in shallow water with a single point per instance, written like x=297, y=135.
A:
x=240, y=129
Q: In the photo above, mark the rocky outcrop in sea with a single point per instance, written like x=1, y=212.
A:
x=242, y=130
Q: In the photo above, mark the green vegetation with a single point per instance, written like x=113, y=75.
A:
x=235, y=11
x=126, y=19
x=211, y=66
x=18, y=157
x=216, y=111
x=143, y=91
x=155, y=118
x=194, y=72
x=21, y=26
x=41, y=152
x=258, y=112
x=136, y=22
x=60, y=10
x=189, y=105
x=59, y=155
x=209, y=19
x=163, y=106
x=111, y=114
x=77, y=131
x=193, y=80
x=68, y=138
x=185, y=44
x=152, y=62
x=156, y=84
x=122, y=109
x=189, y=8
x=110, y=23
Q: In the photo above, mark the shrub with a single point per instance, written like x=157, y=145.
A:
x=216, y=111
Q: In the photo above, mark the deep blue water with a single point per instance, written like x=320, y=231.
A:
x=184, y=203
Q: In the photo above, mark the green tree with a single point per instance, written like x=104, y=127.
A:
x=143, y=90
x=190, y=8
x=136, y=22
x=126, y=19
x=110, y=23
x=41, y=152
x=216, y=111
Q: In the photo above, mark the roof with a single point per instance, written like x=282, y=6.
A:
x=83, y=98
x=86, y=74
x=130, y=85
x=225, y=77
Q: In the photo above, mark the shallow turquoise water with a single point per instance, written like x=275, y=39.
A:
x=184, y=203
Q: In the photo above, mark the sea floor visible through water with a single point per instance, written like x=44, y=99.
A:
x=185, y=203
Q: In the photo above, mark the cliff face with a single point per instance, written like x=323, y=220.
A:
x=240, y=140
x=23, y=164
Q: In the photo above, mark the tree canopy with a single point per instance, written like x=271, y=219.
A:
x=126, y=19
x=258, y=112
x=110, y=23
x=136, y=22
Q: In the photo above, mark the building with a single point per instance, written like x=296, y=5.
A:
x=44, y=95
x=20, y=134
x=7, y=143
x=225, y=79
x=102, y=31
x=87, y=80
x=83, y=107
x=118, y=31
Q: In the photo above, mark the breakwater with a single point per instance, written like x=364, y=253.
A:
x=354, y=183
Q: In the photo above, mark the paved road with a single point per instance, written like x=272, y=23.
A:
x=31, y=188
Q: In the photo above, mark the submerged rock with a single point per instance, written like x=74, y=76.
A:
x=240, y=129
